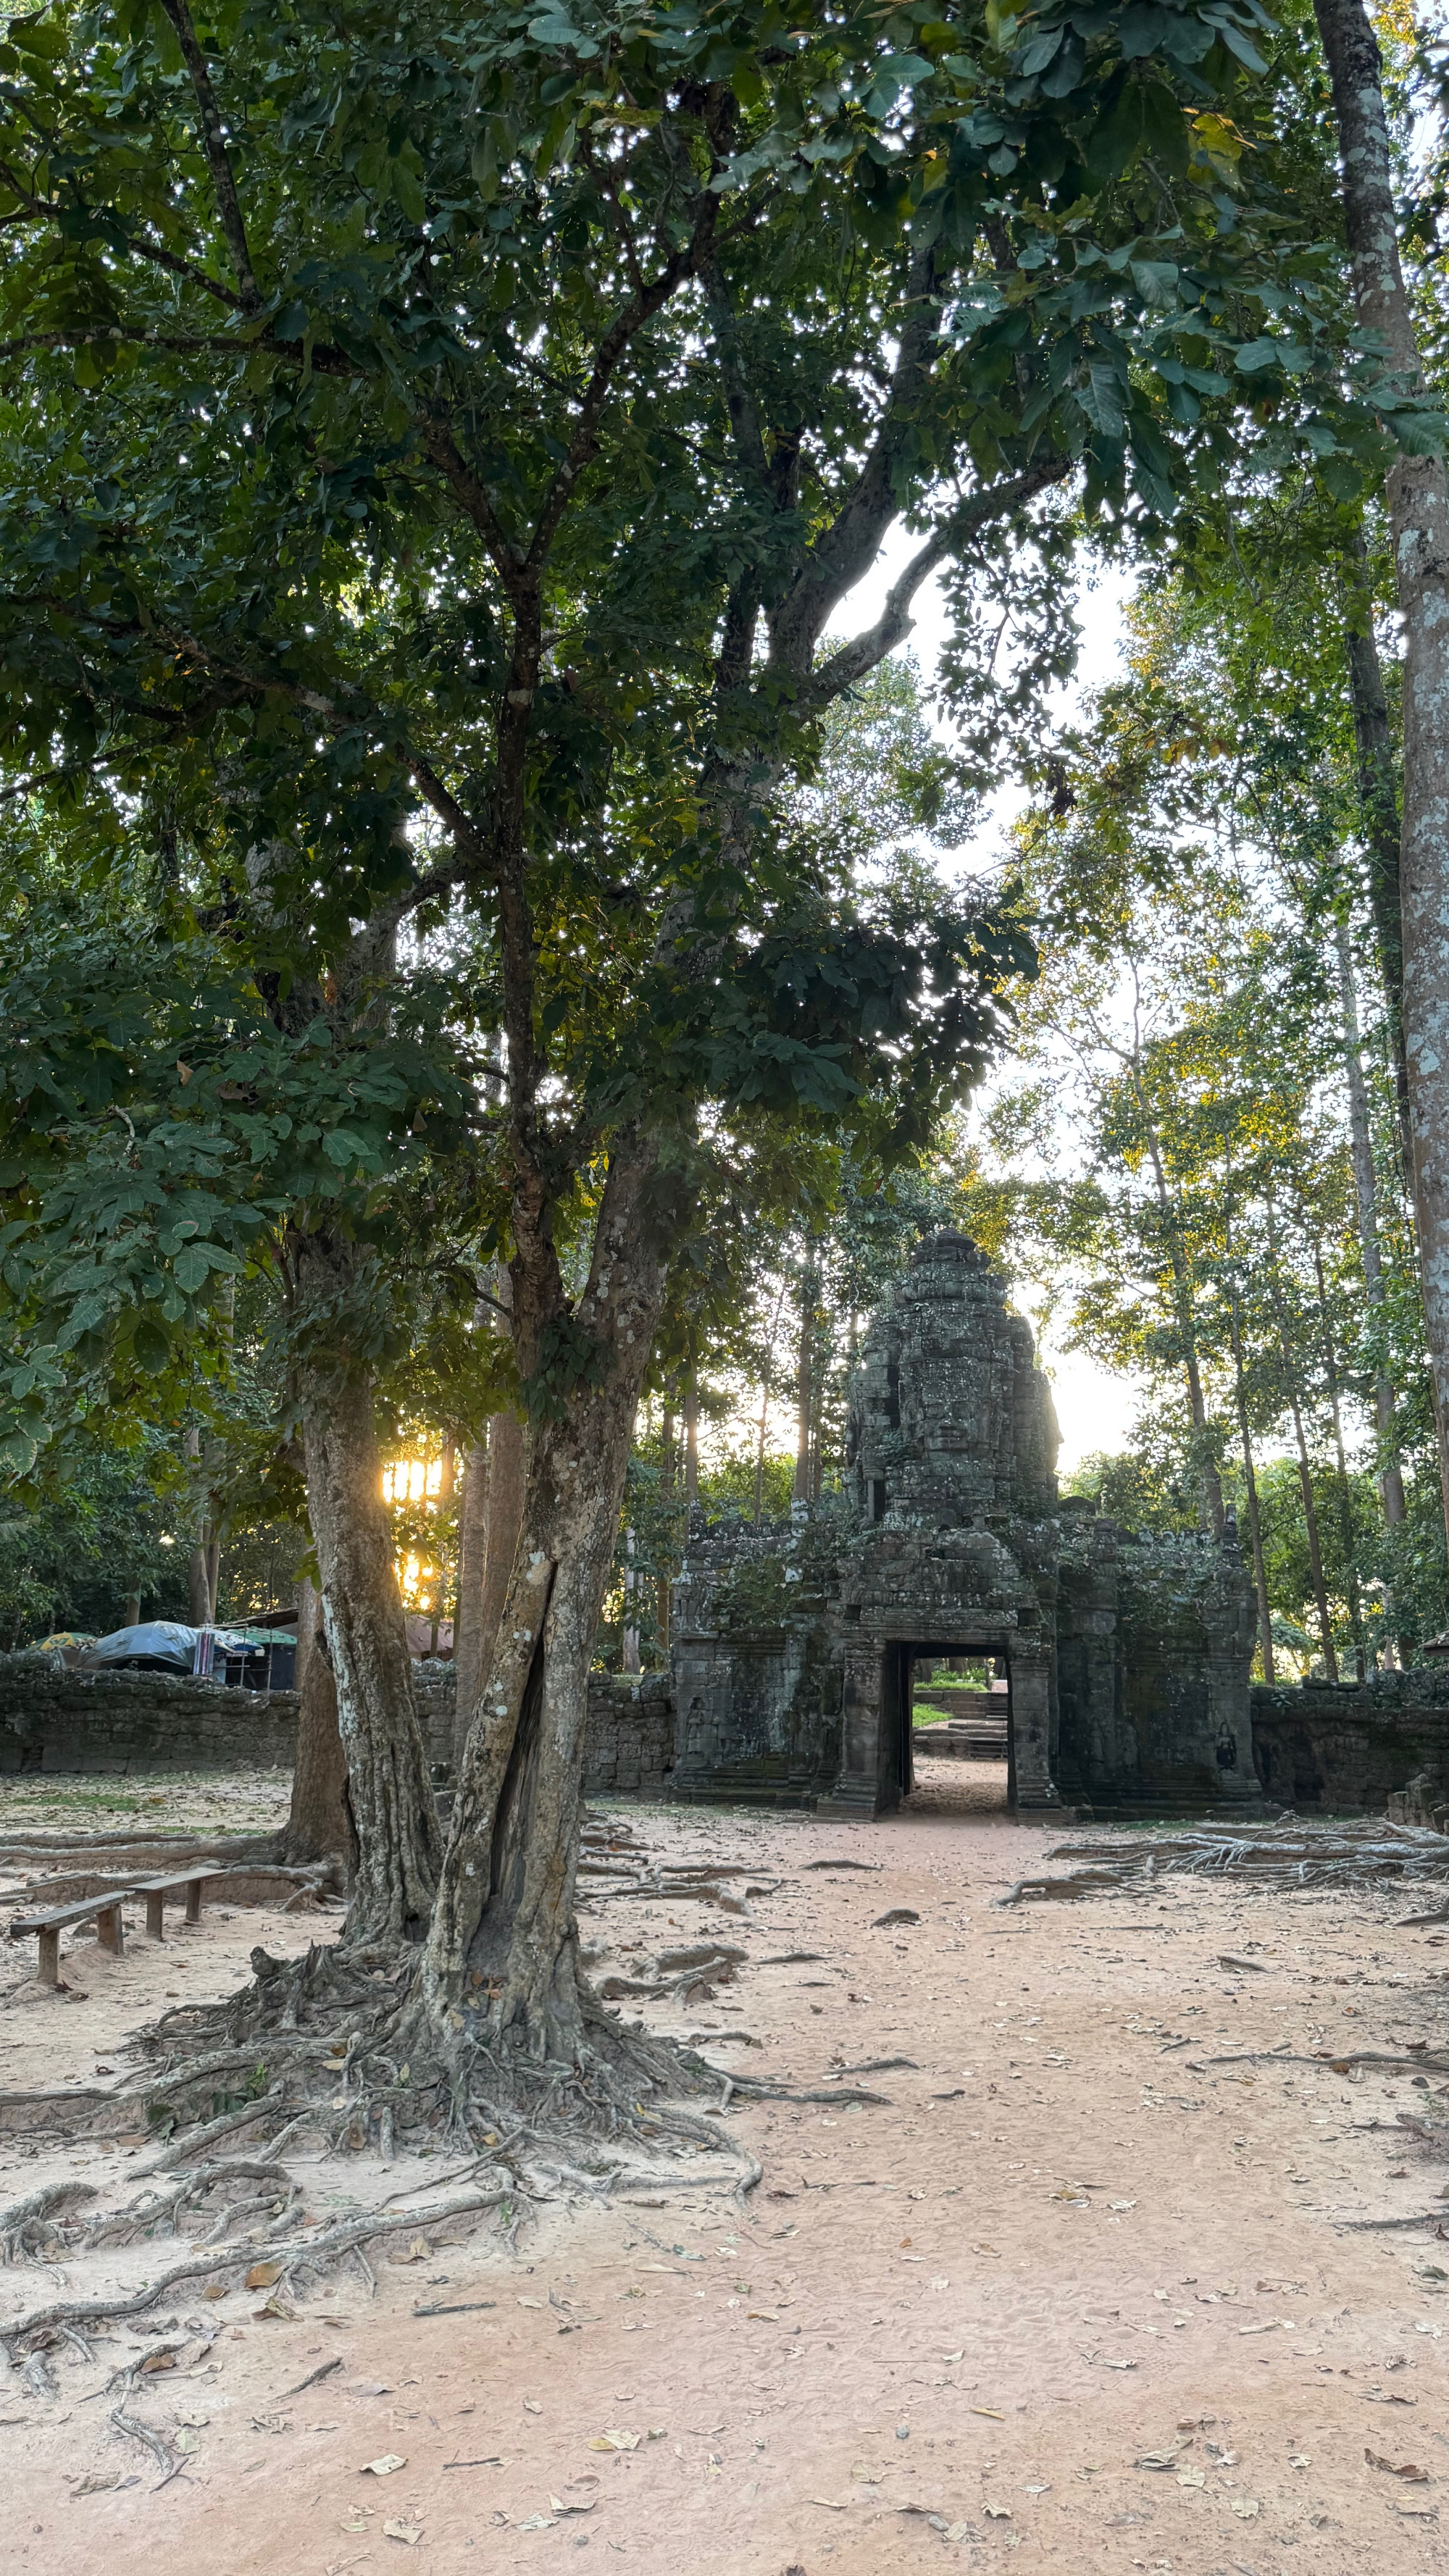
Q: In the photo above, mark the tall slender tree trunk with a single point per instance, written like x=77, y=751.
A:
x=1417, y=493
x=505, y=1906
x=472, y=1564
x=1365, y=1184
x=1212, y=1483
x=1305, y=1470
x=664, y=1588
x=1378, y=798
x=760, y=1453
x=805, y=1391
x=1255, y=1523
x=200, y=1578
x=1334, y=1383
x=393, y=1806
x=691, y=1440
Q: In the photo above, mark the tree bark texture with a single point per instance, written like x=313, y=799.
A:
x=472, y=1566
x=393, y=1806
x=320, y=1825
x=1417, y=492
x=505, y=1903
x=507, y=1467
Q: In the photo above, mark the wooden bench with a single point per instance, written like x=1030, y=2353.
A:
x=104, y=1911
x=156, y=1891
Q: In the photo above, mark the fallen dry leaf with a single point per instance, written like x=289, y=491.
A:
x=865, y=2475
x=409, y=2533
x=214, y=2290
x=97, y=2485
x=532, y=2406
x=1398, y=2469
x=262, y=2275
x=383, y=2466
x=419, y=2251
x=998, y=2513
x=557, y=2505
x=615, y=2440
x=1247, y=2506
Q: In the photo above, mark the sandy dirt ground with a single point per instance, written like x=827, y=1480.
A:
x=1077, y=2294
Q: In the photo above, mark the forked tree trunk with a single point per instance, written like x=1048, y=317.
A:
x=505, y=1905
x=393, y=1806
x=1417, y=492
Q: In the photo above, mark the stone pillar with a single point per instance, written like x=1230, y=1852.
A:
x=865, y=1781
x=1033, y=1698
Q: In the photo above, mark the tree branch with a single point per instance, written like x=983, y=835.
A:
x=848, y=547
x=860, y=656
x=213, y=140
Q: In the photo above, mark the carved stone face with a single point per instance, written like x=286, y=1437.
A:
x=950, y=1416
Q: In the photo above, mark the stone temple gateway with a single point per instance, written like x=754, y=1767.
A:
x=1127, y=1660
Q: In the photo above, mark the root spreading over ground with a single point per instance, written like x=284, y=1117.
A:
x=1269, y=1856
x=332, y=2053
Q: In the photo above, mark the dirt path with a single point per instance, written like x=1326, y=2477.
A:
x=943, y=2331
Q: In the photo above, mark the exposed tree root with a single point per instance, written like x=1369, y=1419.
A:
x=313, y=2256
x=1265, y=1855
x=29, y=2223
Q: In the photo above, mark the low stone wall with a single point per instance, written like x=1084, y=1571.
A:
x=631, y=1736
x=1351, y=1745
x=117, y=1723
x=122, y=1722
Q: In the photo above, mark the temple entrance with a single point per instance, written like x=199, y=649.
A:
x=955, y=1735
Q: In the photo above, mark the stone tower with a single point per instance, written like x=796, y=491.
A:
x=950, y=1415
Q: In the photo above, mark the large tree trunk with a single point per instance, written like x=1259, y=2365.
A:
x=320, y=1825
x=393, y=1806
x=472, y=1564
x=1417, y=491
x=505, y=1906
x=507, y=1466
